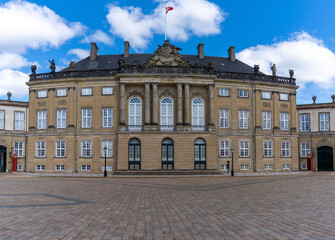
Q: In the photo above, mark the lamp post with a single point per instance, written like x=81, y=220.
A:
x=232, y=161
x=105, y=172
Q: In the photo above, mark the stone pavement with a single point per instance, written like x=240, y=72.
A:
x=300, y=206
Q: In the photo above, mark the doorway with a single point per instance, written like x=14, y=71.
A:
x=3, y=155
x=325, y=158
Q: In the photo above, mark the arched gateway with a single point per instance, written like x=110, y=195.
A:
x=325, y=158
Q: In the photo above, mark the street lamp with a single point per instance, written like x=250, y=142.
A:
x=105, y=172
x=232, y=161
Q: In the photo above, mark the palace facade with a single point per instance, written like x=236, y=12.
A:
x=161, y=112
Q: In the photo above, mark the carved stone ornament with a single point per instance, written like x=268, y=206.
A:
x=61, y=102
x=283, y=105
x=167, y=55
x=42, y=104
x=166, y=93
x=135, y=93
x=266, y=105
x=314, y=99
x=274, y=70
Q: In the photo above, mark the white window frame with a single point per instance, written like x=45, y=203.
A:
x=286, y=166
x=40, y=167
x=303, y=166
x=40, y=149
x=61, y=118
x=243, y=119
x=304, y=122
x=86, y=167
x=324, y=122
x=285, y=149
x=266, y=120
x=166, y=112
x=86, y=148
x=223, y=167
x=244, y=148
x=107, y=91
x=267, y=148
x=86, y=118
x=109, y=168
x=243, y=93
x=19, y=167
x=18, y=149
x=60, y=167
x=266, y=95
x=268, y=166
x=107, y=117
x=86, y=91
x=60, y=149
x=2, y=119
x=62, y=92
x=109, y=144
x=244, y=167
x=224, y=148
x=198, y=112
x=224, y=92
x=304, y=149
x=18, y=121
x=283, y=96
x=42, y=119
x=284, y=121
x=224, y=118
x=42, y=93
x=135, y=112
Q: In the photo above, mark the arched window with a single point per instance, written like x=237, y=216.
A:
x=134, y=154
x=167, y=114
x=167, y=154
x=135, y=114
x=199, y=154
x=198, y=114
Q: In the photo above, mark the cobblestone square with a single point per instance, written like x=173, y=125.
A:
x=266, y=207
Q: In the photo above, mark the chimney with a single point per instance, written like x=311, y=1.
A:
x=231, y=54
x=201, y=50
x=94, y=51
x=126, y=49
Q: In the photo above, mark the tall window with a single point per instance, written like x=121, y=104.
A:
x=199, y=154
x=324, y=121
x=86, y=148
x=61, y=118
x=86, y=118
x=41, y=119
x=224, y=148
x=243, y=119
x=19, y=120
x=135, y=112
x=167, y=112
x=2, y=119
x=40, y=149
x=134, y=154
x=109, y=150
x=198, y=115
x=18, y=149
x=267, y=149
x=285, y=149
x=60, y=148
x=167, y=154
x=244, y=148
x=224, y=118
x=107, y=117
x=284, y=121
x=304, y=122
x=304, y=149
x=266, y=120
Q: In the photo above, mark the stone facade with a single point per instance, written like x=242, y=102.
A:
x=164, y=96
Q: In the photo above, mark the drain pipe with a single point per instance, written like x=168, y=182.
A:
x=76, y=131
x=25, y=142
x=253, y=129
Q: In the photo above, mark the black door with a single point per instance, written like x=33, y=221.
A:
x=167, y=154
x=134, y=154
x=3, y=158
x=199, y=154
x=325, y=158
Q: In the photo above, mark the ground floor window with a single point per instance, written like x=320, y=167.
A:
x=85, y=167
x=40, y=167
x=286, y=166
x=199, y=154
x=223, y=167
x=134, y=154
x=244, y=167
x=304, y=166
x=60, y=167
x=108, y=167
x=268, y=167
x=19, y=167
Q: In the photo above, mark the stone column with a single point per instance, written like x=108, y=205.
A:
x=258, y=114
x=147, y=104
x=51, y=115
x=211, y=104
x=275, y=114
x=187, y=103
x=293, y=113
x=154, y=104
x=180, y=104
x=122, y=96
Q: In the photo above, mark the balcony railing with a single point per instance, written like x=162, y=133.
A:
x=134, y=128
x=167, y=128
x=198, y=128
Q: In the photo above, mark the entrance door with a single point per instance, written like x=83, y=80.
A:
x=134, y=154
x=325, y=158
x=199, y=154
x=3, y=150
x=167, y=154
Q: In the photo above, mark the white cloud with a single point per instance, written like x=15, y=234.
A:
x=12, y=60
x=99, y=36
x=80, y=53
x=13, y=81
x=311, y=60
x=28, y=25
x=189, y=17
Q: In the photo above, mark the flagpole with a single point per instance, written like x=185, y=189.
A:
x=165, y=24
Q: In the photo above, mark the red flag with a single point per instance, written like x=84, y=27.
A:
x=168, y=9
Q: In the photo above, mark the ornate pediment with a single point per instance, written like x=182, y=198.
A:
x=167, y=55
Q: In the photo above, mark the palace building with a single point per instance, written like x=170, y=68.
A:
x=164, y=112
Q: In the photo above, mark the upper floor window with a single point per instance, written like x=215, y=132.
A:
x=107, y=117
x=60, y=148
x=266, y=120
x=244, y=148
x=86, y=148
x=267, y=149
x=283, y=96
x=166, y=111
x=284, y=121
x=224, y=118
x=135, y=112
x=304, y=122
x=18, y=149
x=86, y=118
x=40, y=149
x=109, y=148
x=304, y=149
x=86, y=91
x=266, y=95
x=224, y=148
x=243, y=119
x=19, y=120
x=2, y=119
x=198, y=113
x=61, y=92
x=285, y=149
x=107, y=91
x=324, y=121
x=41, y=119
x=61, y=118
x=243, y=93
x=42, y=94
x=224, y=92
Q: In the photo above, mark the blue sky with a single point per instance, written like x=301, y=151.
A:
x=293, y=34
